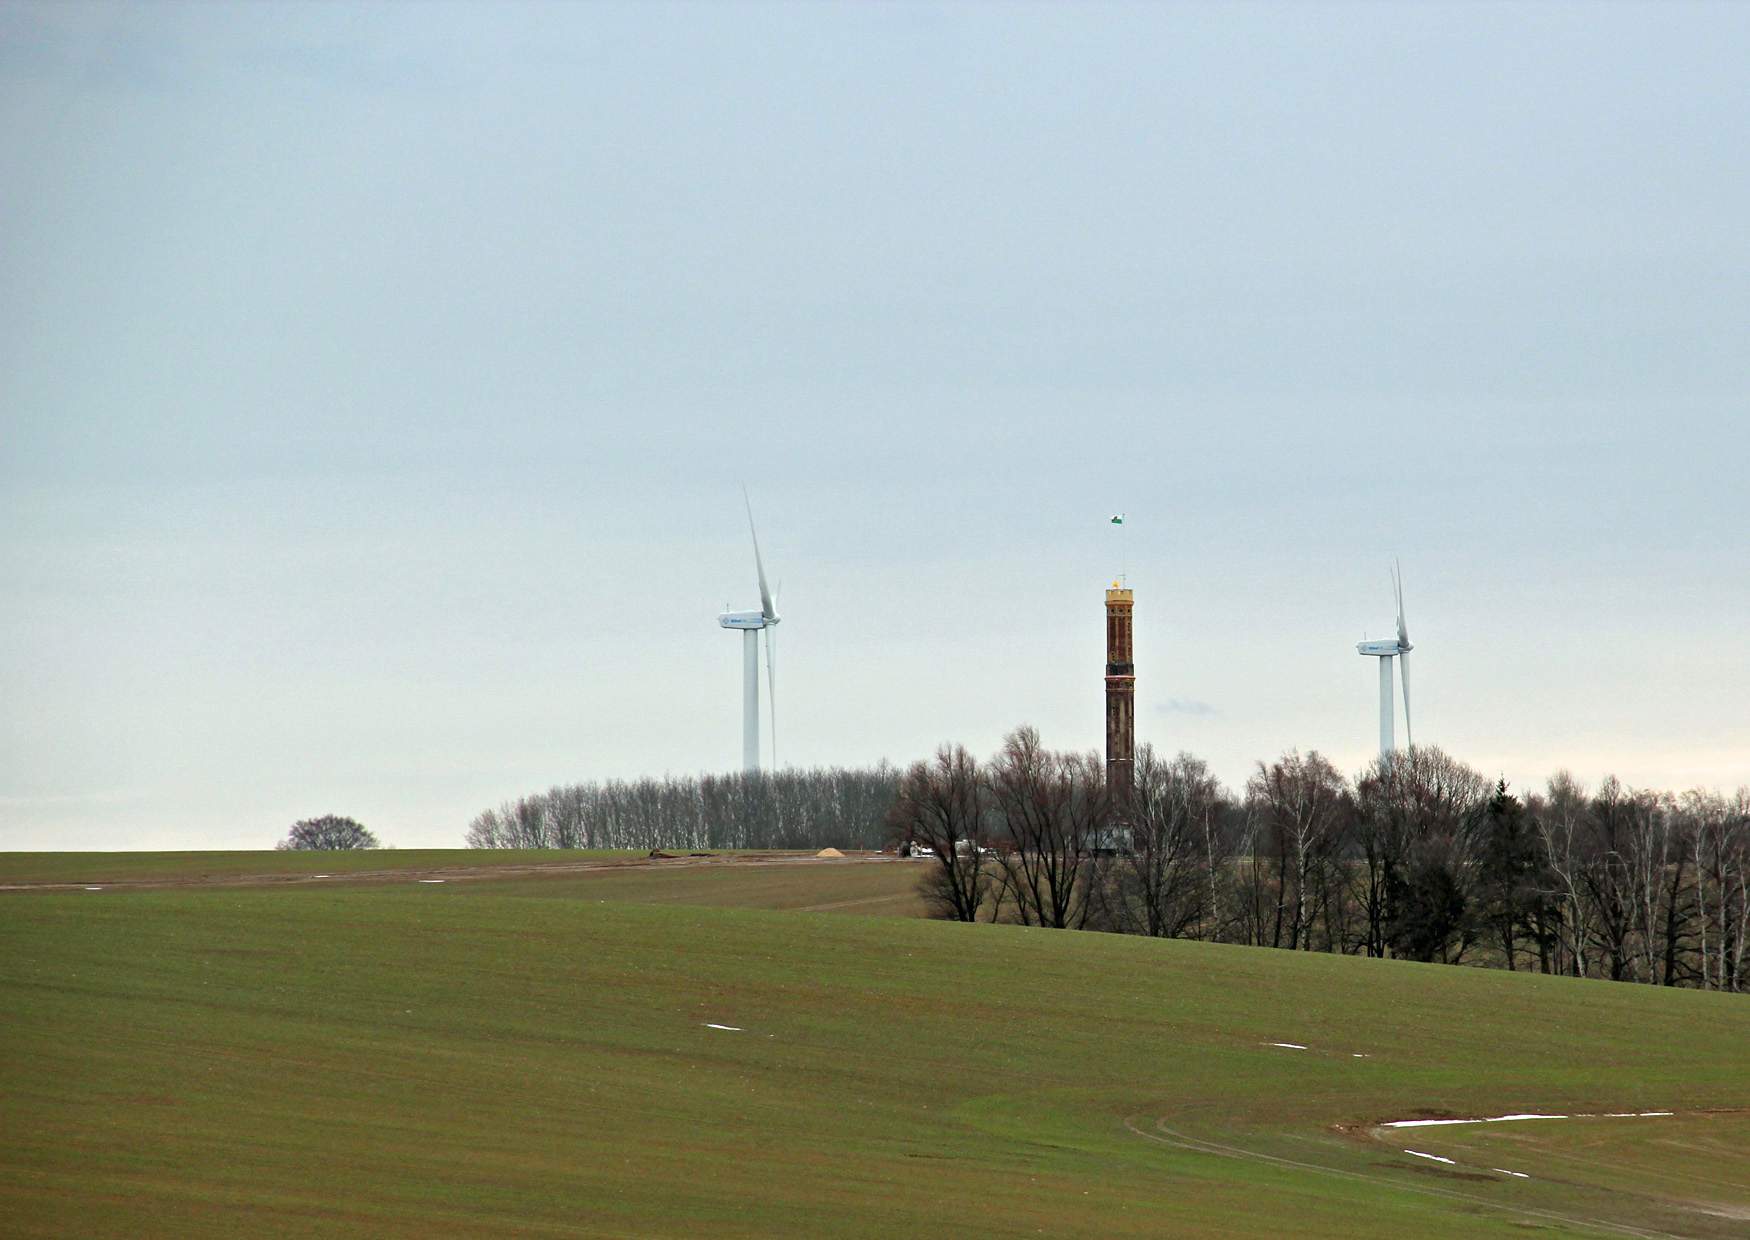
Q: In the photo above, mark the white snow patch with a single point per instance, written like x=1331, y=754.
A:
x=1508, y=1119
x=1440, y=1123
x=1520, y=1174
x=1432, y=1157
x=725, y=1028
x=1287, y=1046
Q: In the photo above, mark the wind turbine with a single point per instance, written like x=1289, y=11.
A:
x=1385, y=652
x=751, y=624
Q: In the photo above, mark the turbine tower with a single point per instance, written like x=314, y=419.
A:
x=1385, y=652
x=752, y=624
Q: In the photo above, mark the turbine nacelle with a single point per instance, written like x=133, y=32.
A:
x=745, y=620
x=1382, y=649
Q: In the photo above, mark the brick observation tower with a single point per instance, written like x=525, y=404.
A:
x=1120, y=693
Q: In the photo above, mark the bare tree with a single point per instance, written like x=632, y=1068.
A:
x=1053, y=809
x=1416, y=832
x=331, y=832
x=1663, y=892
x=1735, y=905
x=1561, y=818
x=1381, y=839
x=1302, y=807
x=1608, y=875
x=1715, y=838
x=1162, y=886
x=941, y=804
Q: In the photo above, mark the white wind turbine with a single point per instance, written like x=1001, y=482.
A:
x=751, y=624
x=1385, y=652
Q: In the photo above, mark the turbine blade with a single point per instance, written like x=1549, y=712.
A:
x=766, y=605
x=772, y=687
x=1404, y=671
x=1398, y=586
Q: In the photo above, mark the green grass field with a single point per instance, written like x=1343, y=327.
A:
x=531, y=1054
x=123, y=867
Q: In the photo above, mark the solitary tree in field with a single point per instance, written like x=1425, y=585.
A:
x=327, y=833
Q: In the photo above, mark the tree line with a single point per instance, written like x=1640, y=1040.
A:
x=793, y=809
x=1419, y=857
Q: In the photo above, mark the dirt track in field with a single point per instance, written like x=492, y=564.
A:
x=461, y=873
x=1167, y=1136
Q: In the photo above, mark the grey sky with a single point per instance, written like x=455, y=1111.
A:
x=376, y=384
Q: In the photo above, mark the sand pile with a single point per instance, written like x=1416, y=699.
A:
x=829, y=852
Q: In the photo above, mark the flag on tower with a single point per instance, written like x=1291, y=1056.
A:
x=1118, y=519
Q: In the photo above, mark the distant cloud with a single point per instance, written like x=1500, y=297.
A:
x=1187, y=706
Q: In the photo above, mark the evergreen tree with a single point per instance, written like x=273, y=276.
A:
x=1427, y=907
x=1516, y=888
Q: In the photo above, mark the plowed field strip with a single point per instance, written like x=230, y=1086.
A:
x=449, y=873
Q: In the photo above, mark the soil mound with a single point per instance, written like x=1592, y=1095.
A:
x=829, y=852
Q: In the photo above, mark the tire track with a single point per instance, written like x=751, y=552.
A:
x=1178, y=1140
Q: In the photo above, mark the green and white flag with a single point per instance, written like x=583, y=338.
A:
x=1118, y=519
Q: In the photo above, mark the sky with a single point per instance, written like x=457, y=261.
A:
x=378, y=384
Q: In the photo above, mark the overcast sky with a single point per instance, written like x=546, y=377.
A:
x=377, y=384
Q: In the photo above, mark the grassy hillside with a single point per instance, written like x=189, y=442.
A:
x=885, y=888
x=863, y=883
x=490, y=1058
